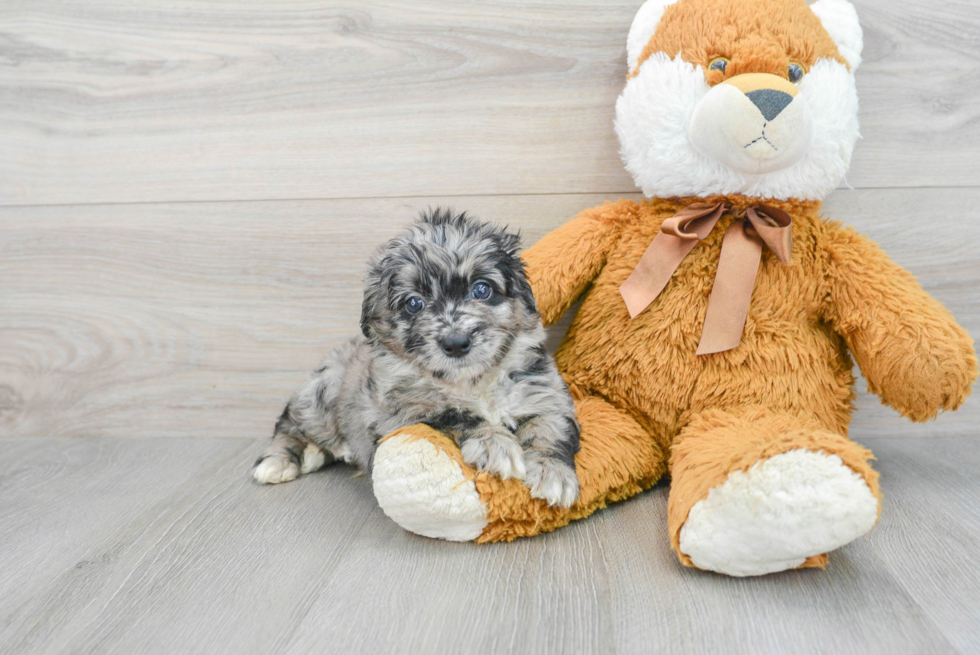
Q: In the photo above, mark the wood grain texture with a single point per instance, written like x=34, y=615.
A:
x=935, y=560
x=198, y=319
x=199, y=559
x=112, y=101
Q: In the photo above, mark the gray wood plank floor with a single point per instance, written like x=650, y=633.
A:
x=165, y=545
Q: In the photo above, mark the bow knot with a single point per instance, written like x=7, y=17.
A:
x=738, y=266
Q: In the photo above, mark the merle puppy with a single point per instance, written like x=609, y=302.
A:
x=451, y=338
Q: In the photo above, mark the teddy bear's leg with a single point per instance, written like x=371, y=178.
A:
x=421, y=482
x=757, y=491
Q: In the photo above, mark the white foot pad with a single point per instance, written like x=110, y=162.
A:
x=275, y=469
x=777, y=514
x=423, y=490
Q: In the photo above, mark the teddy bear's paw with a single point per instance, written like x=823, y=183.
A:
x=777, y=514
x=423, y=489
x=551, y=479
x=495, y=450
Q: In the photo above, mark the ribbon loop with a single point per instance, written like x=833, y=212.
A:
x=775, y=227
x=700, y=216
x=738, y=265
x=666, y=252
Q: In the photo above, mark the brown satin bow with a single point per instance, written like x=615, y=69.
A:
x=741, y=253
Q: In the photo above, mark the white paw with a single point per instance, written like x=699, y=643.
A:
x=496, y=451
x=551, y=480
x=778, y=513
x=275, y=469
x=313, y=459
x=423, y=489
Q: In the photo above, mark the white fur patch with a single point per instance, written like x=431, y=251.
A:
x=729, y=128
x=423, y=489
x=551, y=480
x=275, y=469
x=840, y=19
x=313, y=458
x=641, y=30
x=495, y=451
x=778, y=513
x=653, y=116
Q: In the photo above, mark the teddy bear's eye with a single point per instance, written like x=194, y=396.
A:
x=796, y=73
x=718, y=64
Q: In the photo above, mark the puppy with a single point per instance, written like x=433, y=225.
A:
x=451, y=338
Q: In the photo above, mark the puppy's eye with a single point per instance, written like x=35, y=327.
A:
x=796, y=73
x=414, y=305
x=481, y=290
x=718, y=64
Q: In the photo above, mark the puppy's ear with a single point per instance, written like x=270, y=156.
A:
x=517, y=285
x=510, y=243
x=367, y=316
x=375, y=302
x=524, y=292
x=512, y=267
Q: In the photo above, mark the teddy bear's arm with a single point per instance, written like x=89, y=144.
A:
x=915, y=356
x=563, y=263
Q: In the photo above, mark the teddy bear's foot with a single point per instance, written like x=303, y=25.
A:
x=756, y=491
x=422, y=482
x=778, y=514
x=423, y=488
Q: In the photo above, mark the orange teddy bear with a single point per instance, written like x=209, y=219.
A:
x=719, y=317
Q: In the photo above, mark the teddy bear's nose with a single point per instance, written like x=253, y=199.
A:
x=770, y=101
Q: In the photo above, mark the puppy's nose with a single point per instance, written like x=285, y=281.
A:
x=770, y=101
x=455, y=344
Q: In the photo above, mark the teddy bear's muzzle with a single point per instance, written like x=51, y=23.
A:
x=754, y=123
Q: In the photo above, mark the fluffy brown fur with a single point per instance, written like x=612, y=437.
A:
x=756, y=36
x=645, y=400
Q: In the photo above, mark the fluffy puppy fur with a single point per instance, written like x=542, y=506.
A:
x=451, y=337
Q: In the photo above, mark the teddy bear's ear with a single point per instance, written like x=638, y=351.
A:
x=840, y=19
x=644, y=25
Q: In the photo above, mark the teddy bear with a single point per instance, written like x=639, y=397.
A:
x=719, y=317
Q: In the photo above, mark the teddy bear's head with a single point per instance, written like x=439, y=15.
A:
x=755, y=97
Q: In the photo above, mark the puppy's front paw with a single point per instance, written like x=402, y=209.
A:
x=495, y=450
x=314, y=458
x=273, y=469
x=551, y=479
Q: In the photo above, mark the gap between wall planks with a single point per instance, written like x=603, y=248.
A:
x=110, y=101
x=199, y=319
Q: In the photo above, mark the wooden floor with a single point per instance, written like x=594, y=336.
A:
x=165, y=546
x=188, y=193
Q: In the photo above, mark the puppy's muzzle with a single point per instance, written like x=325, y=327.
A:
x=455, y=344
x=754, y=123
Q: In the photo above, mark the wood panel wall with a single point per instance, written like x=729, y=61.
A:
x=189, y=190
